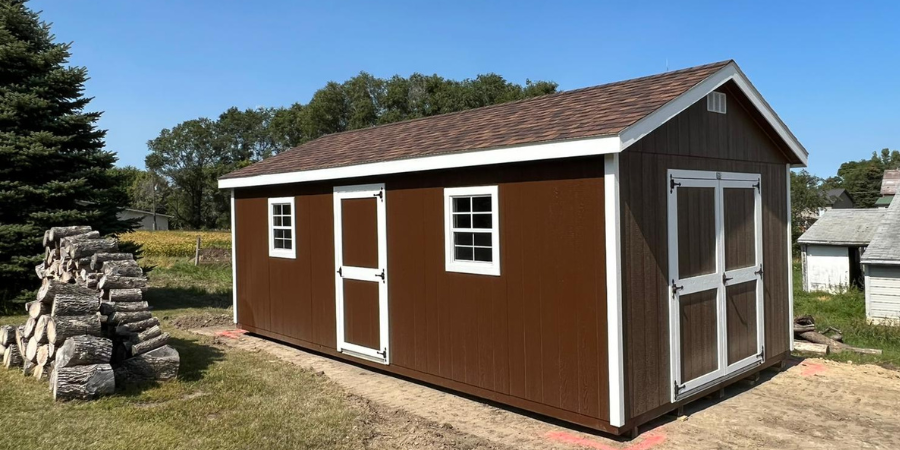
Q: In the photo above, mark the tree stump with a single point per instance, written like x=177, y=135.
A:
x=75, y=305
x=63, y=327
x=83, y=382
x=84, y=350
x=156, y=365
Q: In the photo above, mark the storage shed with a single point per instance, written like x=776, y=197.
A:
x=601, y=255
x=881, y=262
x=830, y=250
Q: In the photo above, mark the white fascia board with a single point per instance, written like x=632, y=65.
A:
x=553, y=150
x=662, y=115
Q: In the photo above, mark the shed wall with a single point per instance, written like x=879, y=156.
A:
x=534, y=337
x=696, y=139
x=883, y=292
x=827, y=268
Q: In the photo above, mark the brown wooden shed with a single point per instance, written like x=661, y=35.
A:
x=601, y=255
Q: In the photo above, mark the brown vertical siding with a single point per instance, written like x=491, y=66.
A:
x=699, y=342
x=533, y=337
x=740, y=310
x=694, y=140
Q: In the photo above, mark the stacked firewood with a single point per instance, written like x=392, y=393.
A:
x=89, y=328
x=808, y=340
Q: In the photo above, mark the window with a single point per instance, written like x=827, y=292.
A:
x=282, y=238
x=716, y=102
x=471, y=241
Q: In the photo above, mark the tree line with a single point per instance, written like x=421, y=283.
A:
x=186, y=160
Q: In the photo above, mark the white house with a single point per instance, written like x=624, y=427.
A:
x=148, y=220
x=831, y=249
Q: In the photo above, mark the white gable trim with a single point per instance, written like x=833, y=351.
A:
x=553, y=150
x=662, y=115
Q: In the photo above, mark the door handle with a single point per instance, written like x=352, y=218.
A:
x=726, y=279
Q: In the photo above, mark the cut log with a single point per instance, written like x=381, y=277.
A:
x=31, y=350
x=80, y=249
x=7, y=335
x=57, y=233
x=146, y=346
x=118, y=318
x=83, y=263
x=51, y=351
x=28, y=330
x=12, y=357
x=46, y=241
x=109, y=308
x=116, y=282
x=835, y=346
x=67, y=277
x=21, y=340
x=67, y=242
x=83, y=382
x=156, y=365
x=75, y=305
x=124, y=268
x=43, y=355
x=42, y=372
x=145, y=335
x=125, y=295
x=63, y=327
x=84, y=350
x=128, y=329
x=40, y=330
x=40, y=269
x=51, y=289
x=28, y=367
x=98, y=259
x=37, y=309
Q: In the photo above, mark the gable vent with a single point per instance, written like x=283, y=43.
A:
x=715, y=102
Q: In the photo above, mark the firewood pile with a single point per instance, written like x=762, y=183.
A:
x=89, y=328
x=808, y=340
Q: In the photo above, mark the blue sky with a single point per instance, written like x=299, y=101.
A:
x=830, y=69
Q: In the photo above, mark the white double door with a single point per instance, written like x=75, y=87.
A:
x=716, y=276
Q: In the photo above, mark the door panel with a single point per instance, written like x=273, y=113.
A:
x=361, y=315
x=696, y=231
x=740, y=311
x=699, y=334
x=360, y=231
x=740, y=230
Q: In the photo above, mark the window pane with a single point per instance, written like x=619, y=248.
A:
x=462, y=221
x=463, y=253
x=483, y=254
x=286, y=221
x=462, y=204
x=481, y=204
x=276, y=221
x=276, y=210
x=287, y=244
x=279, y=234
x=483, y=239
x=279, y=243
x=286, y=234
x=481, y=220
x=286, y=210
x=462, y=238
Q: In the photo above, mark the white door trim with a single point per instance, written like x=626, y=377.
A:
x=615, y=338
x=375, y=275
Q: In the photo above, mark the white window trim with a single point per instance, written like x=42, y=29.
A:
x=281, y=252
x=472, y=267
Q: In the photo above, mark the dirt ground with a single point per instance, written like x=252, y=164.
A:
x=813, y=404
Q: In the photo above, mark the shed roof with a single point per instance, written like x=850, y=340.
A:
x=844, y=227
x=885, y=245
x=625, y=110
x=884, y=201
x=890, y=181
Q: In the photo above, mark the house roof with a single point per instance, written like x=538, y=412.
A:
x=595, y=120
x=885, y=245
x=832, y=195
x=884, y=201
x=844, y=227
x=890, y=181
x=147, y=213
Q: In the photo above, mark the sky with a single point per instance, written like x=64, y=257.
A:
x=831, y=70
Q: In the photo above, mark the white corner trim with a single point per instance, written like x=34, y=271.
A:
x=662, y=115
x=234, y=291
x=473, y=267
x=614, y=292
x=790, y=262
x=280, y=252
x=535, y=152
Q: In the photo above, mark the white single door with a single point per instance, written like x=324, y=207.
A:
x=360, y=254
x=715, y=271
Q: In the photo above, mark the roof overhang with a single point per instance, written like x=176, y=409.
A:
x=835, y=243
x=600, y=145
x=880, y=262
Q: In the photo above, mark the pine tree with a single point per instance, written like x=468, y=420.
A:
x=53, y=168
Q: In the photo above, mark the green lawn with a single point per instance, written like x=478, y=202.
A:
x=847, y=312
x=223, y=399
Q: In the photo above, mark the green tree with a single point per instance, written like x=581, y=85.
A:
x=807, y=199
x=53, y=168
x=245, y=134
x=862, y=179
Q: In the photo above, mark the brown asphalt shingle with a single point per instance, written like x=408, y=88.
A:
x=589, y=112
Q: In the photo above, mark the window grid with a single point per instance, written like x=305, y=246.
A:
x=281, y=226
x=472, y=228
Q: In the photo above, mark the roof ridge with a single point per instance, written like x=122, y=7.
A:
x=520, y=101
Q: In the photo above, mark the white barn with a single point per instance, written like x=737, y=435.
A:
x=148, y=220
x=831, y=249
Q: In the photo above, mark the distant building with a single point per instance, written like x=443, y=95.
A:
x=889, y=184
x=146, y=219
x=836, y=199
x=830, y=250
x=881, y=262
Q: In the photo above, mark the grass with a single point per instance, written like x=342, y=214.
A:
x=846, y=312
x=177, y=243
x=223, y=399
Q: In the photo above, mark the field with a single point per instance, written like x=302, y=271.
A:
x=177, y=243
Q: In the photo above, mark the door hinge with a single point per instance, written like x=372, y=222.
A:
x=762, y=352
x=757, y=185
x=672, y=184
x=678, y=388
x=340, y=272
x=760, y=271
x=381, y=275
x=726, y=279
x=675, y=288
x=383, y=353
x=380, y=194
